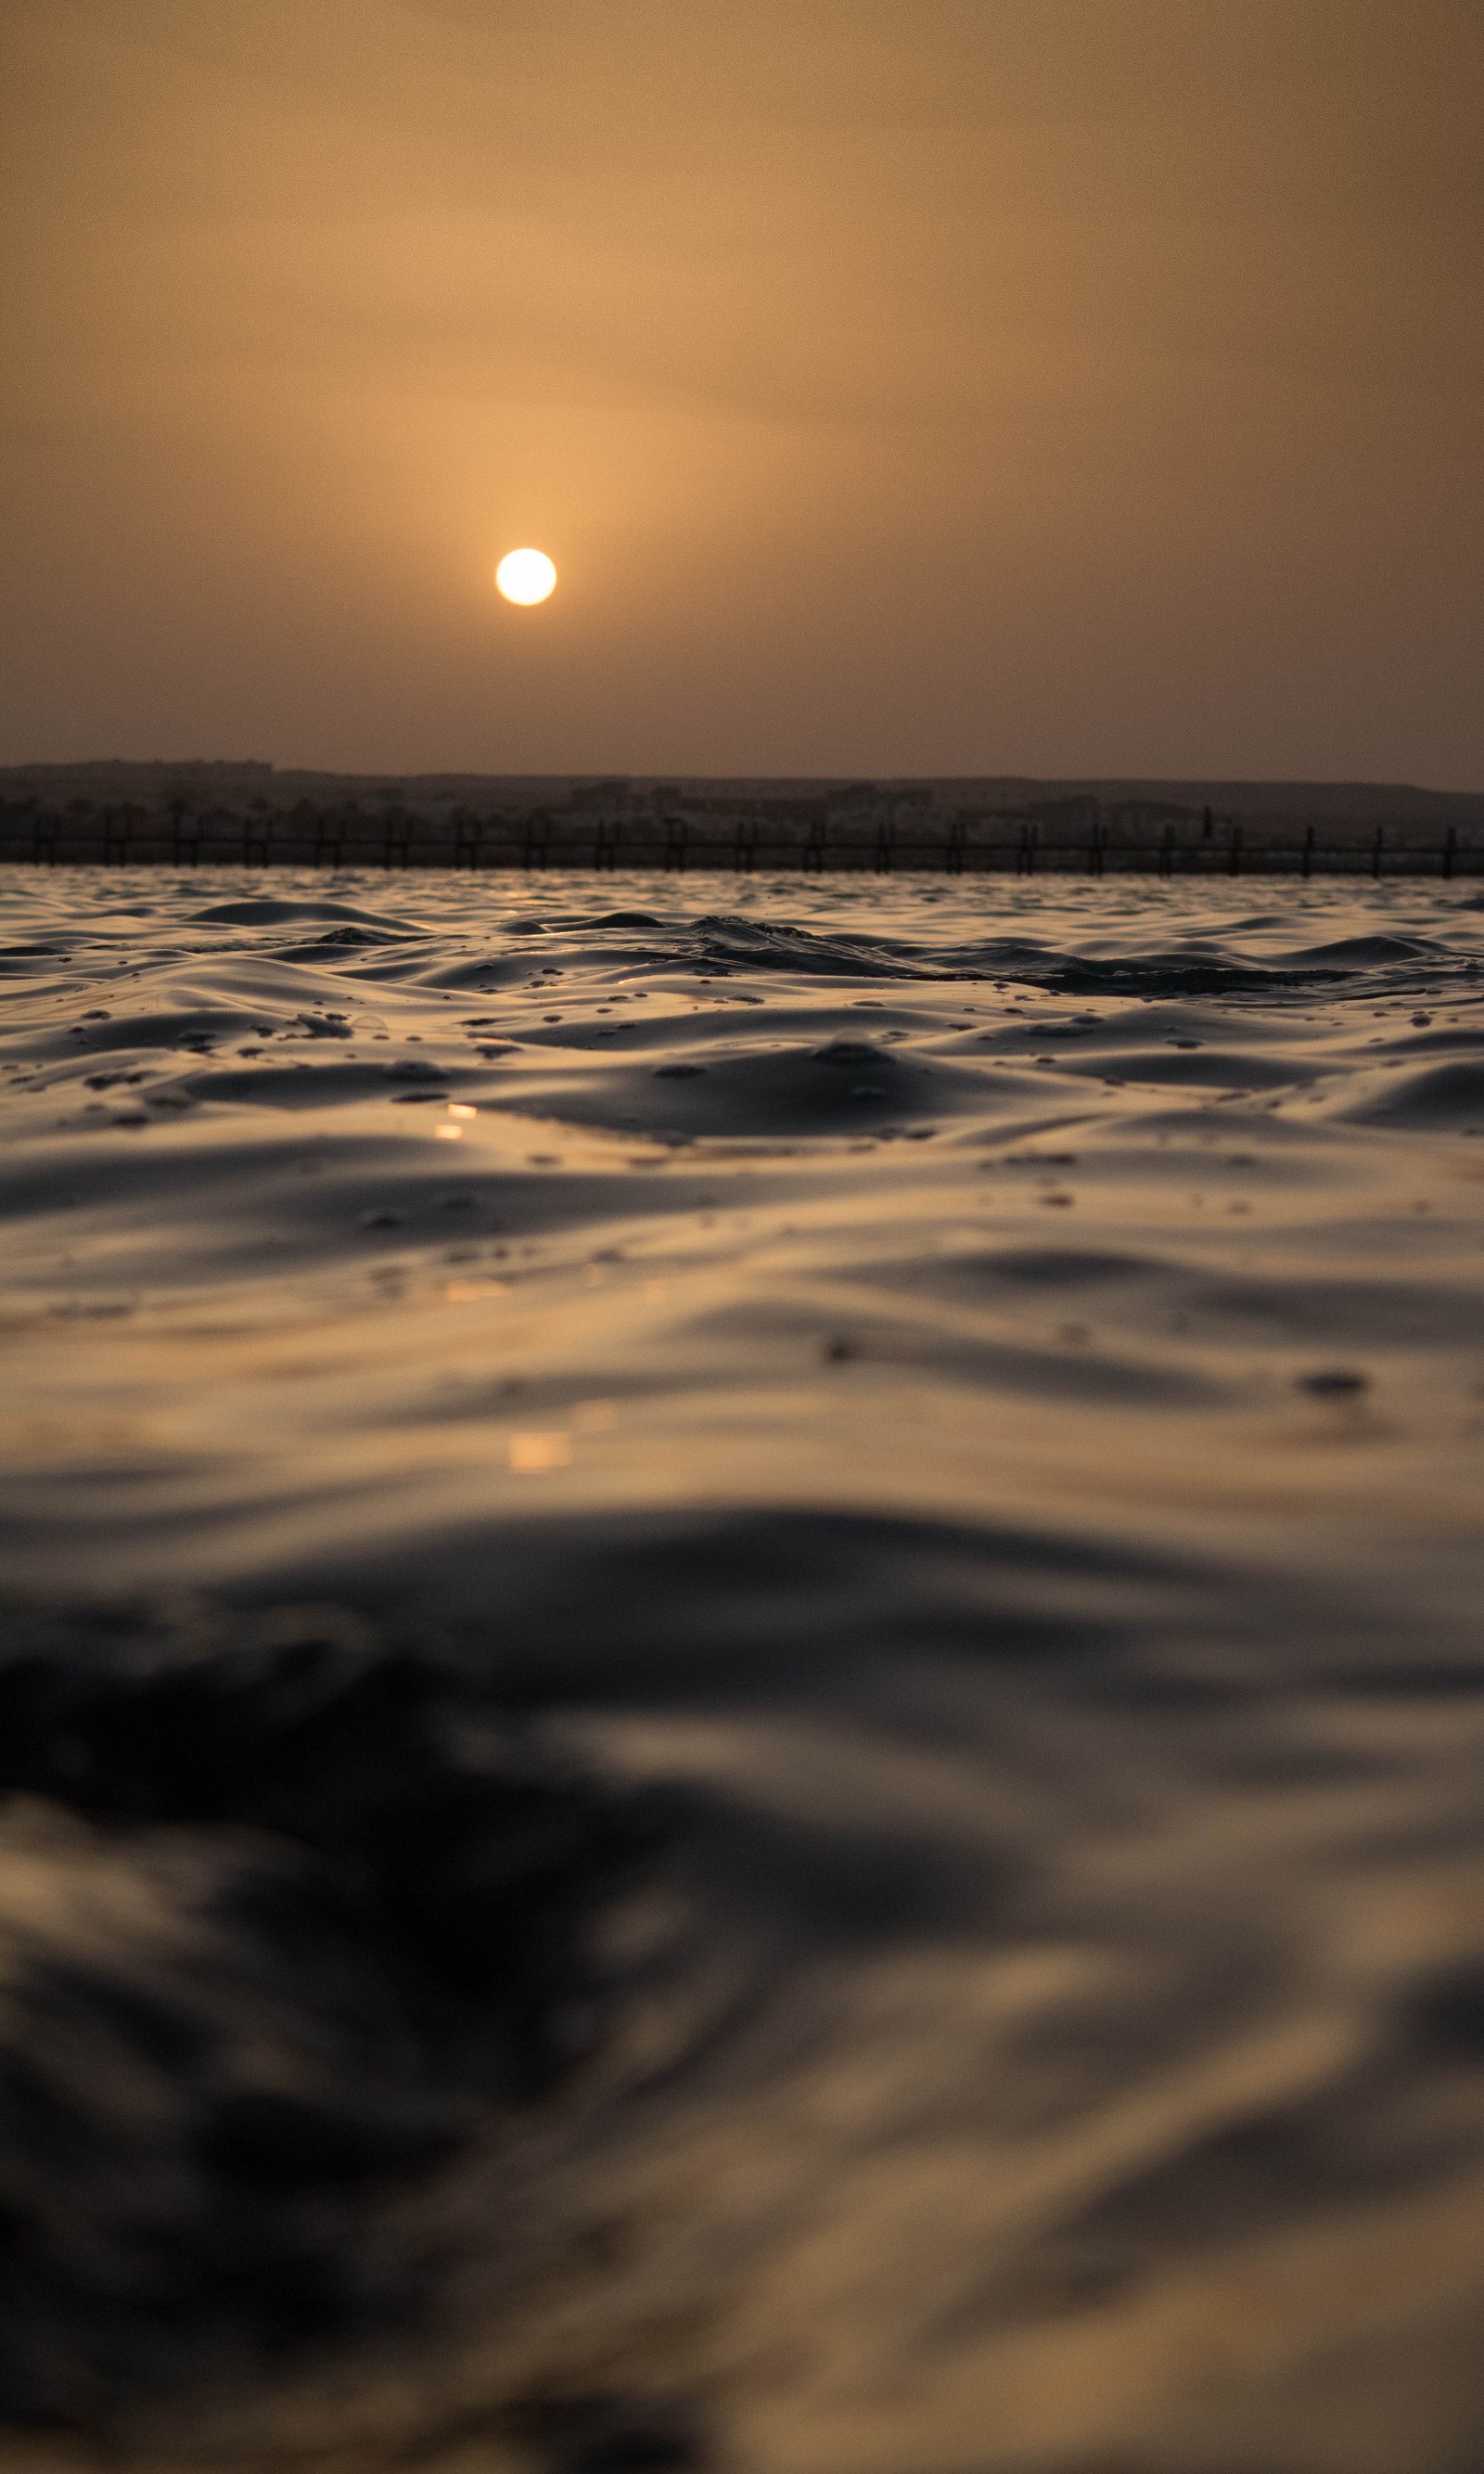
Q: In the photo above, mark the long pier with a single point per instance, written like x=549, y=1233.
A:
x=862, y=829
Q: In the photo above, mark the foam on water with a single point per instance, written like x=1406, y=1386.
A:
x=744, y=1698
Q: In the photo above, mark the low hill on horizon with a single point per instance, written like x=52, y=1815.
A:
x=201, y=782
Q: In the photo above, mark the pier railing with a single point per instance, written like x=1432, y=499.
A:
x=802, y=836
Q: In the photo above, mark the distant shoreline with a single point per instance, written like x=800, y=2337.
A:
x=241, y=788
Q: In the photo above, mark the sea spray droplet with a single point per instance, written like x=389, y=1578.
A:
x=852, y=1052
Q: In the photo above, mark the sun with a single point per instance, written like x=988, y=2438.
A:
x=525, y=575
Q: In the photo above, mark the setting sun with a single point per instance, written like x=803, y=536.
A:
x=525, y=575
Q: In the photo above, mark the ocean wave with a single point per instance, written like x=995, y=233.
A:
x=742, y=1701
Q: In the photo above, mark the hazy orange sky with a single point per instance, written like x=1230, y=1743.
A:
x=1046, y=386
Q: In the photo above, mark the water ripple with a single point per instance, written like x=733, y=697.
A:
x=743, y=1706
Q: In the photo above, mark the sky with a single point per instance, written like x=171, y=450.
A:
x=1061, y=387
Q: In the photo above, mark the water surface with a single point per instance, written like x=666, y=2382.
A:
x=745, y=1701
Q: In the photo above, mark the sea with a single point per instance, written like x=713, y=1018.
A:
x=741, y=1709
